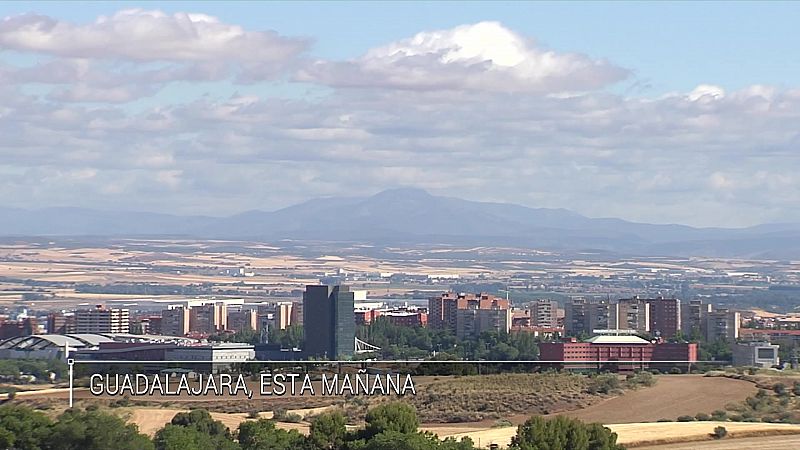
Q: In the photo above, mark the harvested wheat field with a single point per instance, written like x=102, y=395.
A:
x=672, y=396
x=635, y=434
x=790, y=442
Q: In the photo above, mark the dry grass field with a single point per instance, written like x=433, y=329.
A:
x=634, y=435
x=775, y=442
x=672, y=396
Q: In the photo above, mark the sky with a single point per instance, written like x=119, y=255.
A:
x=682, y=112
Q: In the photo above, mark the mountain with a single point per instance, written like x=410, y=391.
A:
x=413, y=216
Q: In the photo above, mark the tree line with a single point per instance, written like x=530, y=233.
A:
x=389, y=426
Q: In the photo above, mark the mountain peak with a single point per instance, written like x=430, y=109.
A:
x=403, y=193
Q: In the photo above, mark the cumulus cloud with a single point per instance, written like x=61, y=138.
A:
x=135, y=53
x=485, y=56
x=476, y=112
x=142, y=35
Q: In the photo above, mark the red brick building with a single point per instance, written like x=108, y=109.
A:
x=617, y=353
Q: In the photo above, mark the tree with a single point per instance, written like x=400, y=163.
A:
x=199, y=423
x=395, y=440
x=22, y=428
x=261, y=434
x=328, y=431
x=397, y=416
x=176, y=437
x=201, y=420
x=563, y=432
x=94, y=430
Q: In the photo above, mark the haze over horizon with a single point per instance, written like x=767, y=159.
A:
x=659, y=114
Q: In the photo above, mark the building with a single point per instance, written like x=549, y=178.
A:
x=544, y=313
x=366, y=316
x=209, y=318
x=722, y=325
x=694, y=318
x=665, y=317
x=175, y=321
x=631, y=314
x=469, y=314
x=329, y=322
x=102, y=320
x=221, y=355
x=755, y=354
x=283, y=315
x=619, y=352
x=442, y=310
x=787, y=338
x=21, y=327
x=483, y=313
x=407, y=318
x=582, y=317
x=296, y=316
x=243, y=320
x=60, y=323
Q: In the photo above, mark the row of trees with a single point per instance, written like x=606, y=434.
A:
x=390, y=426
x=41, y=369
x=420, y=342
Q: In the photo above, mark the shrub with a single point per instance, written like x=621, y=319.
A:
x=253, y=414
x=282, y=415
x=502, y=423
x=702, y=417
x=685, y=419
x=664, y=420
x=719, y=415
x=780, y=389
x=720, y=432
x=675, y=371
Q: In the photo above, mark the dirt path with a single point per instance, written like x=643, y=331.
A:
x=672, y=396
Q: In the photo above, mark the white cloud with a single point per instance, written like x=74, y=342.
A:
x=142, y=35
x=485, y=56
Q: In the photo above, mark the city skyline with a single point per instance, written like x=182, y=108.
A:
x=659, y=113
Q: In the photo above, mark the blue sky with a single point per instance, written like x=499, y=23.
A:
x=659, y=112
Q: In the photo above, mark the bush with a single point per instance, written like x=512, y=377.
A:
x=675, y=371
x=664, y=420
x=720, y=432
x=282, y=415
x=685, y=419
x=502, y=423
x=253, y=414
x=702, y=417
x=719, y=415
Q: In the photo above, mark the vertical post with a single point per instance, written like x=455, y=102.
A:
x=71, y=362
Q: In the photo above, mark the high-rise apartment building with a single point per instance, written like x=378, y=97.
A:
x=209, y=318
x=329, y=322
x=694, y=318
x=59, y=323
x=544, y=313
x=665, y=316
x=283, y=315
x=722, y=325
x=243, y=320
x=631, y=314
x=102, y=320
x=175, y=321
x=582, y=316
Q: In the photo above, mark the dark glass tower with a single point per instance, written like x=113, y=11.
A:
x=329, y=322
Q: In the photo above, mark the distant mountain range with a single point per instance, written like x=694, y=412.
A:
x=413, y=216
